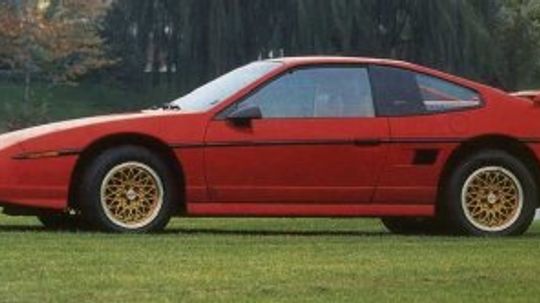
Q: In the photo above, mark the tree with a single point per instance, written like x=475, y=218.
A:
x=491, y=41
x=57, y=40
x=517, y=34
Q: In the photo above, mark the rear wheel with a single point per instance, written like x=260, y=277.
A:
x=491, y=194
x=128, y=189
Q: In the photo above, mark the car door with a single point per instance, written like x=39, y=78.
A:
x=318, y=141
x=428, y=118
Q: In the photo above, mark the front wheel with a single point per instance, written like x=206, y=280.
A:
x=60, y=221
x=491, y=193
x=128, y=189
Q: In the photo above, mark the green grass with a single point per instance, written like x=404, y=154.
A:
x=263, y=260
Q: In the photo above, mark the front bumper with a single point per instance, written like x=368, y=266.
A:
x=40, y=183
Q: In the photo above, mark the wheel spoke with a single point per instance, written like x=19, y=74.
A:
x=492, y=198
x=132, y=194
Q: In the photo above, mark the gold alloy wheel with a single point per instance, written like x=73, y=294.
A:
x=132, y=195
x=492, y=199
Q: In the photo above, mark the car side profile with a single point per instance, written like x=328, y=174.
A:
x=425, y=151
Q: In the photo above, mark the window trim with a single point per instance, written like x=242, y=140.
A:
x=481, y=104
x=222, y=114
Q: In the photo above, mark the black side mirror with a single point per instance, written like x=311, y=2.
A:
x=244, y=115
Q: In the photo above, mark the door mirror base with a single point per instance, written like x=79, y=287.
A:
x=244, y=116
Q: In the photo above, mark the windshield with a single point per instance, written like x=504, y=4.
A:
x=216, y=91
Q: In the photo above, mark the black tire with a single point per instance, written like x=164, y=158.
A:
x=99, y=216
x=509, y=169
x=60, y=221
x=413, y=226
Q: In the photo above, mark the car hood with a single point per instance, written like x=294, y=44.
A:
x=13, y=138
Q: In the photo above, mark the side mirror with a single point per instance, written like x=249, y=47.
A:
x=244, y=115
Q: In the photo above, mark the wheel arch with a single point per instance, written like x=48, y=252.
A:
x=152, y=143
x=513, y=146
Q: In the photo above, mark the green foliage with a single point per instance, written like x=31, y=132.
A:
x=517, y=36
x=194, y=41
x=59, y=42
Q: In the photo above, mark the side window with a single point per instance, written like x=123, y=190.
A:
x=400, y=92
x=316, y=92
x=396, y=92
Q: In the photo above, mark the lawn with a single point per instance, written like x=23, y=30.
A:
x=263, y=260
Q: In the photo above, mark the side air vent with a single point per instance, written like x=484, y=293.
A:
x=425, y=156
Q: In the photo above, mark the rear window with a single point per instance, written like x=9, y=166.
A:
x=400, y=92
x=440, y=96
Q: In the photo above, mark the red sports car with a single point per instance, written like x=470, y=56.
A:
x=311, y=137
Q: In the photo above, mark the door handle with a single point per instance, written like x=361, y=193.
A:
x=367, y=142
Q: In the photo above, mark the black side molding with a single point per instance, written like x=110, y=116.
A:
x=367, y=142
